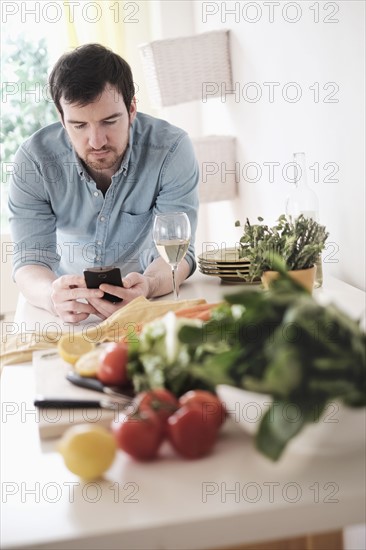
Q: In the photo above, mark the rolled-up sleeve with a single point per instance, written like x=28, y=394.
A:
x=32, y=220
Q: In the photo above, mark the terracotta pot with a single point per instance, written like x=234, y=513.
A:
x=305, y=277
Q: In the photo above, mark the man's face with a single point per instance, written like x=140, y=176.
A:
x=99, y=131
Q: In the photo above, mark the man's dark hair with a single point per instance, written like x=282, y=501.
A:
x=80, y=76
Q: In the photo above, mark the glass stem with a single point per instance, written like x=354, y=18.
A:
x=175, y=286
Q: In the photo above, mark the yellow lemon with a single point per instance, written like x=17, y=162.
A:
x=87, y=364
x=71, y=347
x=88, y=451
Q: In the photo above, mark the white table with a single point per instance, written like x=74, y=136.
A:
x=235, y=496
x=349, y=298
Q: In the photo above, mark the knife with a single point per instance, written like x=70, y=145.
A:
x=56, y=403
x=97, y=385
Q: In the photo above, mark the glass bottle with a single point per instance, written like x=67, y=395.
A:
x=303, y=200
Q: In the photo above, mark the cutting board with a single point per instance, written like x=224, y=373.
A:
x=50, y=382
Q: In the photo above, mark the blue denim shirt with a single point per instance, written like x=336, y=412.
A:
x=59, y=219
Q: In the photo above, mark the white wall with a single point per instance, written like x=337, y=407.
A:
x=322, y=53
x=304, y=52
x=170, y=19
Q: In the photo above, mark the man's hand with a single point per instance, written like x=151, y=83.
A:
x=134, y=285
x=156, y=281
x=66, y=293
x=60, y=296
x=63, y=295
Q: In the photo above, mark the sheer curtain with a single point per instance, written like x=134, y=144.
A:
x=119, y=25
x=99, y=21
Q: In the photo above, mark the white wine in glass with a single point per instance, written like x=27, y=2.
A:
x=171, y=234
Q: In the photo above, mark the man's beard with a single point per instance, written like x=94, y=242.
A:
x=113, y=160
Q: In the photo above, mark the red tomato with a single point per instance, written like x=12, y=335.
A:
x=139, y=434
x=212, y=409
x=112, y=367
x=160, y=400
x=189, y=434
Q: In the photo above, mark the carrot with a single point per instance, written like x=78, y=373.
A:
x=201, y=311
x=204, y=315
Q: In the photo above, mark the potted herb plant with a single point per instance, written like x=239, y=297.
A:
x=299, y=242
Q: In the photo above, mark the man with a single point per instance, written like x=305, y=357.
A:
x=85, y=190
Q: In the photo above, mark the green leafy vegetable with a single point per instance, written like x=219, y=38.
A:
x=159, y=359
x=280, y=342
x=288, y=346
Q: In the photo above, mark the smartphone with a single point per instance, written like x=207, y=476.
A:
x=95, y=276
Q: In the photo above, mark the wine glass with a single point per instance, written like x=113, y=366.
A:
x=171, y=234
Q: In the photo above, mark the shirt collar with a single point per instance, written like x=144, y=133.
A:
x=79, y=165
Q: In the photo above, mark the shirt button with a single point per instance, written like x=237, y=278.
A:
x=99, y=243
x=96, y=194
x=102, y=218
x=97, y=258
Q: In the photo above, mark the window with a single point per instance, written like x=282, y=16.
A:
x=27, y=55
